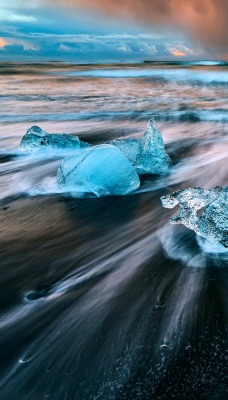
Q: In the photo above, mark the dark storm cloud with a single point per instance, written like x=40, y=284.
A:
x=204, y=20
x=101, y=30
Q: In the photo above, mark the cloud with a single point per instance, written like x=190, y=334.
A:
x=2, y=42
x=16, y=50
x=83, y=48
x=204, y=20
x=54, y=32
x=177, y=53
x=11, y=13
x=114, y=47
x=124, y=48
x=180, y=50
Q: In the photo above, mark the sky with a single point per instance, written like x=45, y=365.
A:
x=113, y=30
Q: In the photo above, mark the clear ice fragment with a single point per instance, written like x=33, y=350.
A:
x=36, y=139
x=103, y=170
x=212, y=224
x=147, y=154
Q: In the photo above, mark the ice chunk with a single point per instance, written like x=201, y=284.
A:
x=212, y=224
x=147, y=154
x=102, y=170
x=36, y=139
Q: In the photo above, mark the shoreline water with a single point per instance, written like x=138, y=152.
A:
x=101, y=297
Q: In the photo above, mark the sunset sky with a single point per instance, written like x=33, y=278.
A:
x=120, y=30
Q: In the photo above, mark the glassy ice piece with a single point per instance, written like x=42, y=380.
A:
x=36, y=139
x=212, y=224
x=102, y=170
x=147, y=154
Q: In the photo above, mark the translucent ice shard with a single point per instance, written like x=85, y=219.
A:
x=147, y=154
x=212, y=224
x=36, y=139
x=102, y=170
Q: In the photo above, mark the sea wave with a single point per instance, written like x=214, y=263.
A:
x=189, y=115
x=176, y=75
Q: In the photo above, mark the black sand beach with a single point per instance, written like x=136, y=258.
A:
x=101, y=298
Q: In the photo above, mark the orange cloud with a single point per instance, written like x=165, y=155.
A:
x=177, y=53
x=2, y=42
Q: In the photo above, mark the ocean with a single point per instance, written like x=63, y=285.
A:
x=101, y=298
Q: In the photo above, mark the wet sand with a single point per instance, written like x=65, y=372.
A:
x=90, y=304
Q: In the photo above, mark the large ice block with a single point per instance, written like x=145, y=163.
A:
x=212, y=224
x=147, y=154
x=36, y=139
x=103, y=170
